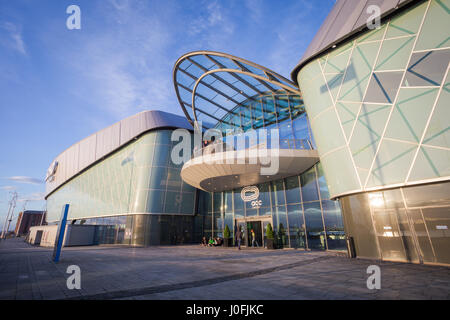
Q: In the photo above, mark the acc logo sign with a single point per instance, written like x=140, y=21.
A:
x=254, y=194
x=52, y=171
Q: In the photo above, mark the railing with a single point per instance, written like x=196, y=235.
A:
x=221, y=146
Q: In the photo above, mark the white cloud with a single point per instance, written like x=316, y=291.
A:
x=36, y=196
x=24, y=179
x=214, y=17
x=255, y=8
x=8, y=188
x=14, y=39
x=125, y=68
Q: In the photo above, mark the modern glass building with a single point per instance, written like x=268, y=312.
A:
x=123, y=180
x=378, y=101
x=241, y=99
x=357, y=145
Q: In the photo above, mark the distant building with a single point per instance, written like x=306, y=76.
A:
x=27, y=219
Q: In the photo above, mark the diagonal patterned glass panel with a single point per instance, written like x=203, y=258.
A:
x=392, y=163
x=438, y=131
x=338, y=59
x=359, y=71
x=408, y=23
x=334, y=83
x=367, y=135
x=333, y=129
x=427, y=68
x=316, y=90
x=434, y=33
x=376, y=34
x=383, y=87
x=347, y=113
x=431, y=163
x=394, y=54
x=411, y=113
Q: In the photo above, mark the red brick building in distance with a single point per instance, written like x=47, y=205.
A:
x=27, y=219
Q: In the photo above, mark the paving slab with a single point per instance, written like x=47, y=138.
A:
x=196, y=273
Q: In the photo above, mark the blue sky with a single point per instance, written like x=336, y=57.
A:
x=58, y=86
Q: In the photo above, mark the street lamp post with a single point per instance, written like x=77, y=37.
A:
x=12, y=206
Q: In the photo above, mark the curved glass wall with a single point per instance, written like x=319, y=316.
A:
x=283, y=112
x=299, y=209
x=145, y=230
x=209, y=85
x=408, y=224
x=378, y=104
x=139, y=178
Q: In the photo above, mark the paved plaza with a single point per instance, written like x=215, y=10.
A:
x=197, y=273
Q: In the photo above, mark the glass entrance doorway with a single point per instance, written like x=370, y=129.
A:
x=258, y=237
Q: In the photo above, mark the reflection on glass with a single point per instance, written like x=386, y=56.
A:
x=292, y=190
x=309, y=185
x=278, y=193
x=297, y=233
x=410, y=234
x=287, y=191
x=314, y=226
x=333, y=225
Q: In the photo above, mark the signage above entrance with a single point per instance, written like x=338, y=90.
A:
x=251, y=193
x=254, y=193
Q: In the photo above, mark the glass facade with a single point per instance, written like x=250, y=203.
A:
x=145, y=230
x=299, y=209
x=137, y=180
x=406, y=224
x=282, y=112
x=378, y=104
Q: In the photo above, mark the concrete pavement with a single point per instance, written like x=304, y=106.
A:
x=197, y=273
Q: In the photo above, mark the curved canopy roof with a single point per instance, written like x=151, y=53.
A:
x=347, y=18
x=209, y=85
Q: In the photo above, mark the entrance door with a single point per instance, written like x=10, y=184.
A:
x=256, y=227
x=259, y=228
x=243, y=226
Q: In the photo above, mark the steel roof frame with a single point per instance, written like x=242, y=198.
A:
x=271, y=82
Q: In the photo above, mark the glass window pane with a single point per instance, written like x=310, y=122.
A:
x=158, y=178
x=155, y=201
x=217, y=201
x=278, y=193
x=292, y=190
x=264, y=194
x=314, y=226
x=296, y=226
x=334, y=225
x=309, y=185
x=438, y=225
x=280, y=222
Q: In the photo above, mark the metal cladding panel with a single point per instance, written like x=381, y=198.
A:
x=108, y=140
x=86, y=152
x=72, y=160
x=385, y=6
x=344, y=22
x=345, y=19
x=131, y=127
x=318, y=39
x=62, y=164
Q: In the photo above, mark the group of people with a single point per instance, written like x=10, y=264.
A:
x=239, y=238
x=216, y=242
x=212, y=242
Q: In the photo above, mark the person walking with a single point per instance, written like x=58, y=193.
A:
x=238, y=237
x=254, y=239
